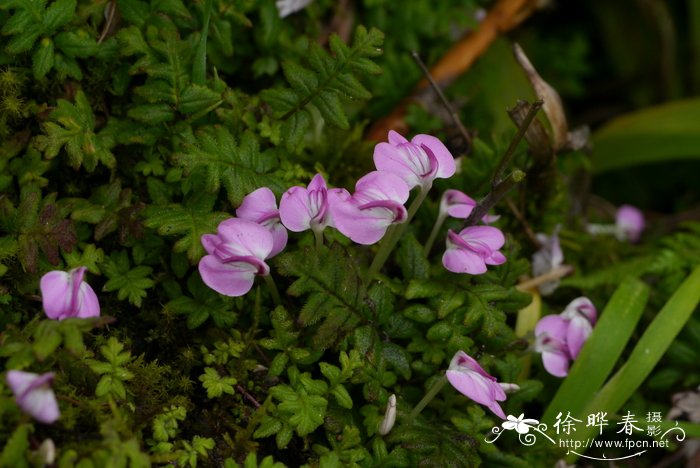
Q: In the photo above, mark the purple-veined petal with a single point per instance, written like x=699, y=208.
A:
x=389, y=159
x=301, y=207
x=488, y=235
x=470, y=379
x=395, y=138
x=369, y=224
x=230, y=279
x=240, y=237
x=496, y=258
x=378, y=185
x=446, y=162
x=581, y=306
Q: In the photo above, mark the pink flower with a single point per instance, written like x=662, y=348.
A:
x=460, y=205
x=236, y=255
x=560, y=337
x=472, y=249
x=66, y=295
x=34, y=395
x=417, y=162
x=629, y=223
x=550, y=341
x=260, y=207
x=376, y=204
x=580, y=315
x=468, y=378
x=306, y=208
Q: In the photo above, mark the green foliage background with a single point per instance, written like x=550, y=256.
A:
x=130, y=128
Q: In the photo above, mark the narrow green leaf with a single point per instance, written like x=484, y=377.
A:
x=663, y=133
x=199, y=67
x=58, y=14
x=602, y=350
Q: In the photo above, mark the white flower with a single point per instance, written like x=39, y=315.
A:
x=521, y=425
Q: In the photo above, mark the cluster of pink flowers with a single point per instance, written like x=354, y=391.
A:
x=237, y=253
x=560, y=337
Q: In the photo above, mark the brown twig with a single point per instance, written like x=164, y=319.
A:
x=247, y=396
x=555, y=274
x=504, y=16
x=453, y=114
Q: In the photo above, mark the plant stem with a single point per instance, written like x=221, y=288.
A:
x=496, y=193
x=273, y=289
x=443, y=99
x=508, y=155
x=433, y=234
x=393, y=235
x=318, y=234
x=434, y=390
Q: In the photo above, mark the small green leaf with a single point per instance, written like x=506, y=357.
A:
x=42, y=60
x=215, y=384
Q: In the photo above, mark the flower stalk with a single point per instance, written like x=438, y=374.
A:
x=432, y=392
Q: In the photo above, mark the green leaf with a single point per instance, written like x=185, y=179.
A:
x=215, y=384
x=129, y=283
x=14, y=453
x=196, y=98
x=331, y=282
x=72, y=126
x=663, y=133
x=199, y=67
x=46, y=339
x=240, y=168
x=42, y=60
x=305, y=412
x=412, y=259
x=191, y=221
x=602, y=350
x=77, y=44
x=152, y=114
x=58, y=14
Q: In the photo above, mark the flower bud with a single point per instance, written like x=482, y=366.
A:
x=389, y=416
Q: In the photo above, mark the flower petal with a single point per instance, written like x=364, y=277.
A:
x=395, y=138
x=554, y=326
x=488, y=235
x=556, y=363
x=279, y=239
x=88, y=305
x=41, y=404
x=209, y=242
x=230, y=279
x=295, y=210
x=459, y=260
x=576, y=335
x=258, y=205
x=56, y=293
x=241, y=237
x=476, y=387
x=389, y=159
x=446, y=162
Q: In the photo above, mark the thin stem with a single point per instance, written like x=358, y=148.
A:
x=393, y=235
x=433, y=234
x=434, y=390
x=318, y=234
x=508, y=155
x=493, y=197
x=443, y=99
x=273, y=289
